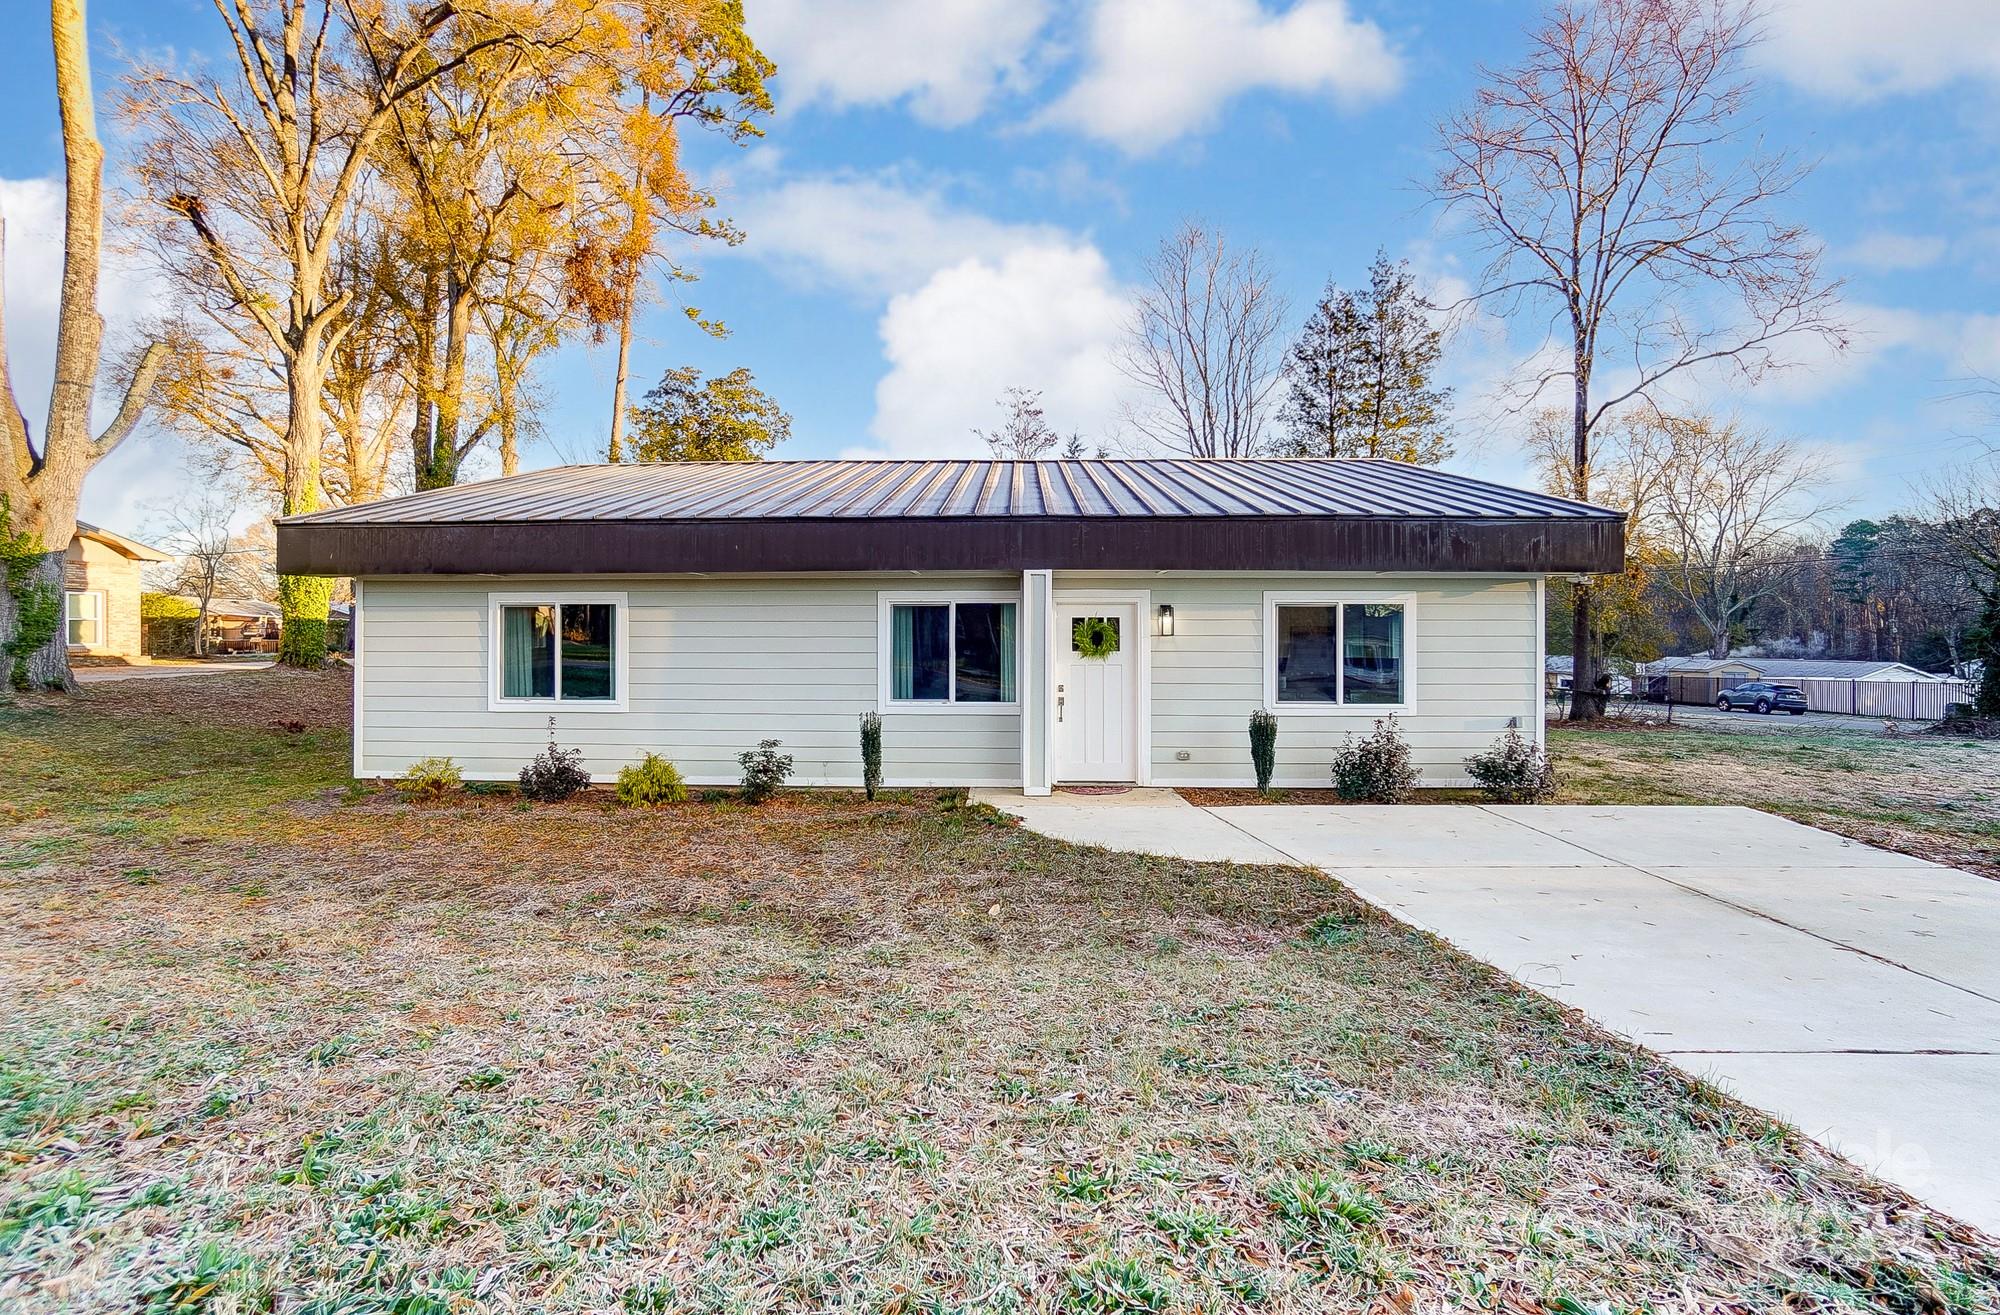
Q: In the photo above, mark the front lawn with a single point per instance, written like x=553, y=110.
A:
x=267, y=1042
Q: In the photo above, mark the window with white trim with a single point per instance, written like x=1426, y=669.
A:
x=564, y=650
x=1335, y=654
x=950, y=651
x=83, y=617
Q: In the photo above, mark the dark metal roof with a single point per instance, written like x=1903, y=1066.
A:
x=1277, y=515
x=751, y=490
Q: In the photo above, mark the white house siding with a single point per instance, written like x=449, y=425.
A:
x=1473, y=646
x=715, y=666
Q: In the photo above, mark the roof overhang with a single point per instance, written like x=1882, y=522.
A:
x=118, y=543
x=1516, y=544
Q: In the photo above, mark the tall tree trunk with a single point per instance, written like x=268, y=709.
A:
x=616, y=450
x=43, y=490
x=1587, y=700
x=445, y=451
x=39, y=490
x=509, y=385
x=37, y=649
x=423, y=356
x=303, y=600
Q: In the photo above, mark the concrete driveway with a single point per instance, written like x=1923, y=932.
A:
x=1852, y=992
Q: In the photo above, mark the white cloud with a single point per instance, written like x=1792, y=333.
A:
x=871, y=235
x=33, y=209
x=1859, y=49
x=1884, y=252
x=946, y=57
x=971, y=305
x=1046, y=316
x=1159, y=69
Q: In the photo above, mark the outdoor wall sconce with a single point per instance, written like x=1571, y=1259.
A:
x=1167, y=619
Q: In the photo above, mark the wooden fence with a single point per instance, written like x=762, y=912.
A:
x=1908, y=700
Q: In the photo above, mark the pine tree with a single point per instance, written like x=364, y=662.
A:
x=1361, y=375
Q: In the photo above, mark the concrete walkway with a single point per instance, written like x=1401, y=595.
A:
x=104, y=675
x=1852, y=992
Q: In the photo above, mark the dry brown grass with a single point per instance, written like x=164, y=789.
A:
x=268, y=1042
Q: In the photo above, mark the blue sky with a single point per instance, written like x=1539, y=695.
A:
x=956, y=196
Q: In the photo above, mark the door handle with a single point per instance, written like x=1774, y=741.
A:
x=1059, y=709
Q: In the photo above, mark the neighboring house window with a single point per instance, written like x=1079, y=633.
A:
x=954, y=652
x=84, y=611
x=1327, y=654
x=567, y=650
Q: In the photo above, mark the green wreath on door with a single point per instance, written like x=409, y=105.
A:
x=1094, y=637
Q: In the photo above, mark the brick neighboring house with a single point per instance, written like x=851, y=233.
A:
x=101, y=593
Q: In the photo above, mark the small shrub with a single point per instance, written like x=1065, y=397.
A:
x=764, y=770
x=554, y=775
x=1513, y=771
x=871, y=753
x=1375, y=769
x=1263, y=747
x=650, y=782
x=430, y=777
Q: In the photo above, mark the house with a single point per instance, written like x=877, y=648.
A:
x=101, y=593
x=1786, y=669
x=1015, y=623
x=1560, y=675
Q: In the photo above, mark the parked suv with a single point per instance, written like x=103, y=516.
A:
x=1757, y=696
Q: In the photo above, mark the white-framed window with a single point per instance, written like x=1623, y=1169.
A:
x=558, y=648
x=956, y=650
x=83, y=617
x=1328, y=654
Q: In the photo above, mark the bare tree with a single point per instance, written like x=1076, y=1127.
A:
x=210, y=560
x=1026, y=433
x=1635, y=452
x=1963, y=516
x=256, y=173
x=40, y=486
x=1203, y=346
x=1732, y=504
x=1607, y=176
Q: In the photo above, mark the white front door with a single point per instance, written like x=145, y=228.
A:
x=1097, y=698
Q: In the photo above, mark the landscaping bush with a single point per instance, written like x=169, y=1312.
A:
x=1513, y=771
x=430, y=777
x=650, y=782
x=1263, y=747
x=1375, y=769
x=764, y=770
x=871, y=753
x=554, y=775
